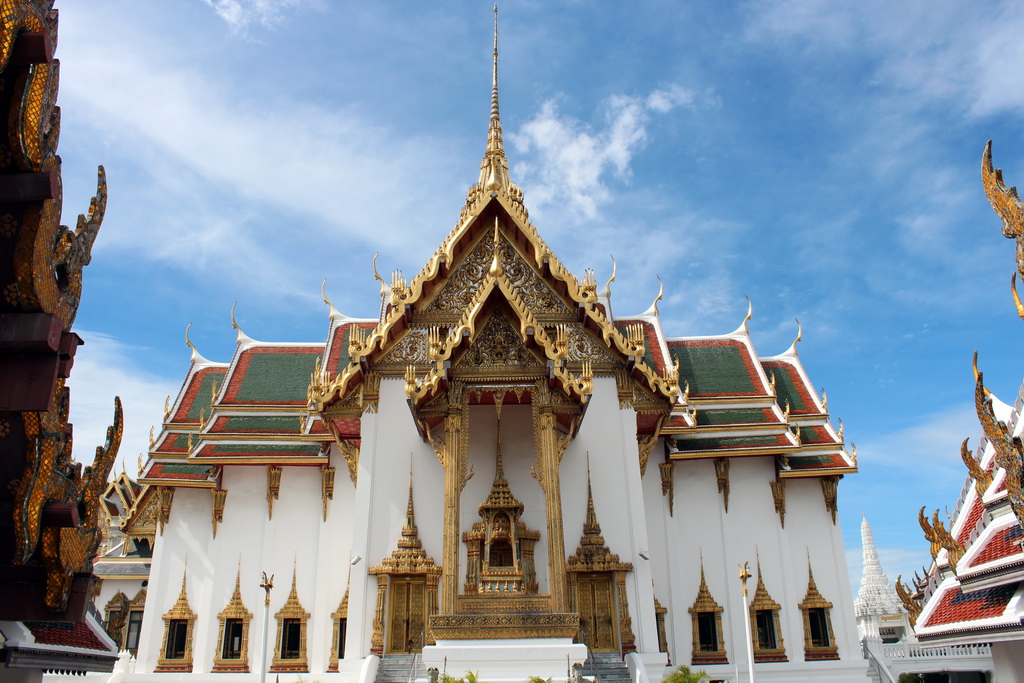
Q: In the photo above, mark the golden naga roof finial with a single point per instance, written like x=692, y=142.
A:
x=323, y=292
x=196, y=356
x=799, y=336
x=376, y=276
x=742, y=329
x=661, y=294
x=977, y=375
x=608, y=285
x=242, y=337
x=1016, y=298
x=1005, y=202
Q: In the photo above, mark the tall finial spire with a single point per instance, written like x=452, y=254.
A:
x=494, y=169
x=494, y=80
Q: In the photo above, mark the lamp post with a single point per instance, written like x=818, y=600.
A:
x=266, y=584
x=744, y=575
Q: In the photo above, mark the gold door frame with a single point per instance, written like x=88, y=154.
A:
x=407, y=603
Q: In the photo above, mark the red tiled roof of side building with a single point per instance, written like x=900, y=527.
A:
x=283, y=385
x=973, y=515
x=806, y=404
x=195, y=383
x=1003, y=543
x=66, y=634
x=818, y=461
x=651, y=337
x=164, y=470
x=347, y=427
x=337, y=352
x=957, y=606
x=719, y=385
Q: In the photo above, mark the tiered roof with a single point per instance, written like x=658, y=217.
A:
x=250, y=411
x=975, y=587
x=494, y=276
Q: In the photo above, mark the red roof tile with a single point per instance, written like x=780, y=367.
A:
x=957, y=606
x=1002, y=544
x=973, y=515
x=196, y=382
x=801, y=404
x=66, y=634
x=167, y=470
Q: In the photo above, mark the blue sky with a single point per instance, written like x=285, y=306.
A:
x=821, y=157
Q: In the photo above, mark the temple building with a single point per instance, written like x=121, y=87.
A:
x=51, y=520
x=974, y=591
x=496, y=474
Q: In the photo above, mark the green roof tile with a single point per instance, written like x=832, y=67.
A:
x=277, y=377
x=202, y=402
x=262, y=423
x=691, y=444
x=728, y=417
x=255, y=449
x=785, y=389
x=184, y=468
x=713, y=369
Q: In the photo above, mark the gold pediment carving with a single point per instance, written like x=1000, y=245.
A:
x=499, y=349
x=457, y=292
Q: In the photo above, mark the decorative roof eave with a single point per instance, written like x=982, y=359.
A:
x=1009, y=450
x=731, y=452
x=817, y=472
x=791, y=359
x=531, y=332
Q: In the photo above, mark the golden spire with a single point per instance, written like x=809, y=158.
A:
x=410, y=534
x=494, y=169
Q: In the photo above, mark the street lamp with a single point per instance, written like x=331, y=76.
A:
x=267, y=584
x=744, y=575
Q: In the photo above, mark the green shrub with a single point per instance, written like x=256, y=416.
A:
x=682, y=674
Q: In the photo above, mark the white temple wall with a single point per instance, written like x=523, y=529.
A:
x=185, y=535
x=109, y=587
x=608, y=433
x=810, y=531
x=518, y=456
x=389, y=442
x=291, y=541
x=750, y=529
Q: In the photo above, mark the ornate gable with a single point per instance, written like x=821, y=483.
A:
x=455, y=294
x=499, y=349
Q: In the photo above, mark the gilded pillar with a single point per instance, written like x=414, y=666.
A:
x=454, y=457
x=550, y=447
x=377, y=639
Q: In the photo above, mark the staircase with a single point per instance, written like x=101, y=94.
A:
x=399, y=669
x=606, y=667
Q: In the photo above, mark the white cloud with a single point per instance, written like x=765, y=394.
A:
x=239, y=14
x=929, y=449
x=574, y=159
x=968, y=67
x=104, y=368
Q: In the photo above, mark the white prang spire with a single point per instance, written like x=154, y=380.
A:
x=876, y=595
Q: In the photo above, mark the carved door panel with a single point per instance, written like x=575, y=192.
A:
x=595, y=601
x=407, y=617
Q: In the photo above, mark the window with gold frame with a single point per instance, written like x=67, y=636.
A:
x=232, y=653
x=115, y=618
x=766, y=630
x=176, y=649
x=706, y=616
x=290, y=645
x=819, y=640
x=340, y=619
